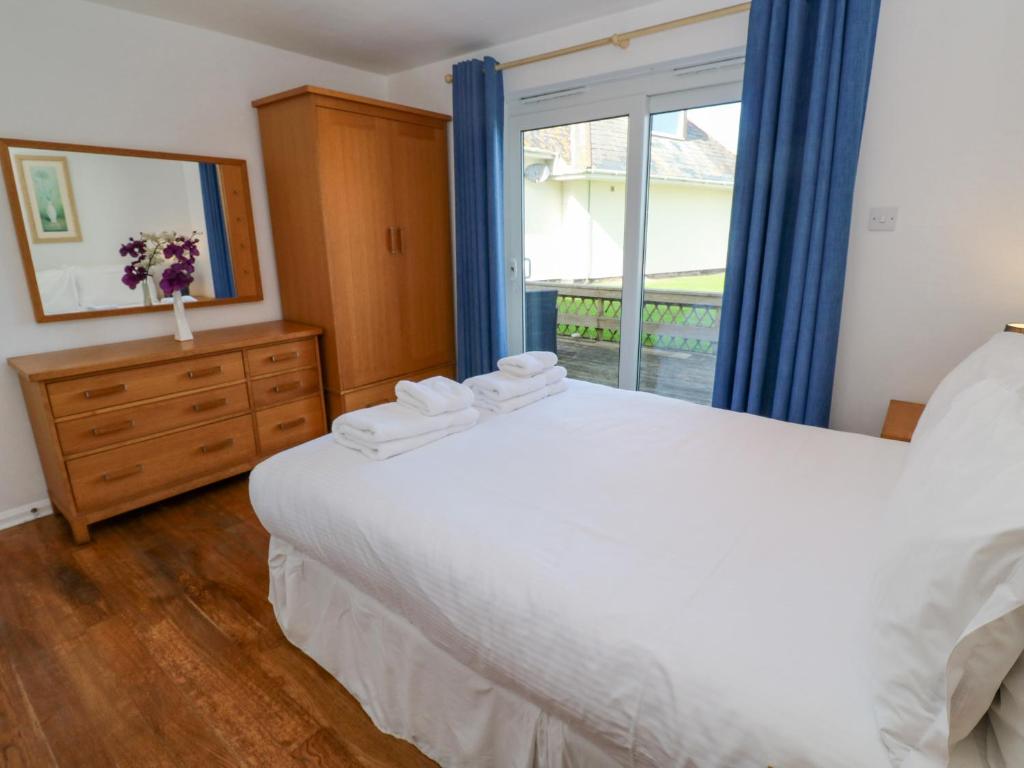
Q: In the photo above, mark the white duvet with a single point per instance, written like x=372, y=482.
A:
x=685, y=586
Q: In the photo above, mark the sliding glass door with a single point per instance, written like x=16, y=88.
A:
x=618, y=219
x=574, y=211
x=689, y=202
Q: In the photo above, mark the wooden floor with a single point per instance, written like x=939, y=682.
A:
x=683, y=375
x=155, y=646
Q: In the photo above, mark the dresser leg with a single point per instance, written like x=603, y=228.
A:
x=79, y=531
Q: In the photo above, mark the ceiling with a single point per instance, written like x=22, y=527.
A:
x=383, y=36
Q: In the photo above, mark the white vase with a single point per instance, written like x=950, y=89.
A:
x=182, y=331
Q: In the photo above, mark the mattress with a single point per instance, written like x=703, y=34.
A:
x=681, y=585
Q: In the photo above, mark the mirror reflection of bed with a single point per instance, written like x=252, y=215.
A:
x=79, y=208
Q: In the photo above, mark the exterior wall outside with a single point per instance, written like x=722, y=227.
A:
x=574, y=229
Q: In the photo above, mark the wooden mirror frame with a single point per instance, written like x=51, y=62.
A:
x=245, y=266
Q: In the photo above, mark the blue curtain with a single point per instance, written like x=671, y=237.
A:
x=216, y=234
x=804, y=93
x=478, y=125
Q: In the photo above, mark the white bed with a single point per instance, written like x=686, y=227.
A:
x=603, y=578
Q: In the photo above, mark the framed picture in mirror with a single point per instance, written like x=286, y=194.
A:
x=99, y=228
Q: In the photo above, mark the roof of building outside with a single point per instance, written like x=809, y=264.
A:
x=600, y=147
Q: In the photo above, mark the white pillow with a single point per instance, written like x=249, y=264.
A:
x=57, y=291
x=947, y=625
x=101, y=287
x=1006, y=721
x=1002, y=356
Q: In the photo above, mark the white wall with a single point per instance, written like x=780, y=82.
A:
x=943, y=140
x=83, y=73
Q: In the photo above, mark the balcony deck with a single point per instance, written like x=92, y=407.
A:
x=683, y=375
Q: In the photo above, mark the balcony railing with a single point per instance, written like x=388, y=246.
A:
x=683, y=321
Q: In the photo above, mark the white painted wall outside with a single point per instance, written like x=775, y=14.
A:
x=574, y=229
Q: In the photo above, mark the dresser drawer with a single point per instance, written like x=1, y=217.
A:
x=285, y=386
x=135, y=470
x=281, y=357
x=286, y=425
x=133, y=421
x=91, y=393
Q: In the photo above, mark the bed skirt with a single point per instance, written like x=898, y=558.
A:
x=410, y=688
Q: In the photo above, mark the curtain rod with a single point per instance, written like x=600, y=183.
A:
x=621, y=39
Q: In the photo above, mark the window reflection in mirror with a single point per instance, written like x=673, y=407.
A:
x=79, y=209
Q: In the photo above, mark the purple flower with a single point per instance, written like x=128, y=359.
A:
x=134, y=248
x=176, y=277
x=133, y=275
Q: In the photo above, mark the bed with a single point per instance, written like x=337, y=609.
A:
x=602, y=578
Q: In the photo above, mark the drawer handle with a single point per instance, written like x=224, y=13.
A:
x=110, y=429
x=219, y=446
x=213, y=370
x=105, y=391
x=292, y=424
x=288, y=387
x=197, y=407
x=121, y=474
x=293, y=355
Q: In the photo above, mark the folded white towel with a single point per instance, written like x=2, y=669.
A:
x=510, y=404
x=528, y=363
x=501, y=386
x=555, y=375
x=394, y=421
x=556, y=388
x=434, y=396
x=389, y=448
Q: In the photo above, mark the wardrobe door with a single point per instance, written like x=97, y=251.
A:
x=361, y=240
x=420, y=172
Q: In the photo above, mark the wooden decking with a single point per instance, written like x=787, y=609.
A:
x=683, y=375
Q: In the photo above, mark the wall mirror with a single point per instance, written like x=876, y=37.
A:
x=76, y=207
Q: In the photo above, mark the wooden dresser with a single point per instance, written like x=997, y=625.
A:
x=122, y=425
x=358, y=194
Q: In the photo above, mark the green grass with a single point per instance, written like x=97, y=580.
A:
x=711, y=283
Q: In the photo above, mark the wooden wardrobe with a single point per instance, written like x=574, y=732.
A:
x=359, y=203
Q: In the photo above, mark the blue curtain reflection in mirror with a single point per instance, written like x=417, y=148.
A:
x=216, y=234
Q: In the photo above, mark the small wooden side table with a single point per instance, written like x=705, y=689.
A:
x=901, y=420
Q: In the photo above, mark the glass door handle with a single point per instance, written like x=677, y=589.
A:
x=527, y=268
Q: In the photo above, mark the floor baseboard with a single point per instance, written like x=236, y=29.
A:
x=25, y=513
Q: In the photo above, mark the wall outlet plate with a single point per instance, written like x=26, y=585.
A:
x=883, y=219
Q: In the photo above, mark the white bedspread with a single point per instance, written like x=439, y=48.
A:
x=686, y=586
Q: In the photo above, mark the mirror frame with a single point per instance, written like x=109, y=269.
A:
x=18, y=213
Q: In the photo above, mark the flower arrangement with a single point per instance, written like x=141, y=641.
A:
x=149, y=251
x=177, y=255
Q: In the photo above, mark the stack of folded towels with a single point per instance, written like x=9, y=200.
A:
x=520, y=380
x=426, y=411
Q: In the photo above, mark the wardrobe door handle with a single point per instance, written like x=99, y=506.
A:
x=400, y=249
x=391, y=240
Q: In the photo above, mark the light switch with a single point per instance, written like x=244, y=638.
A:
x=883, y=219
